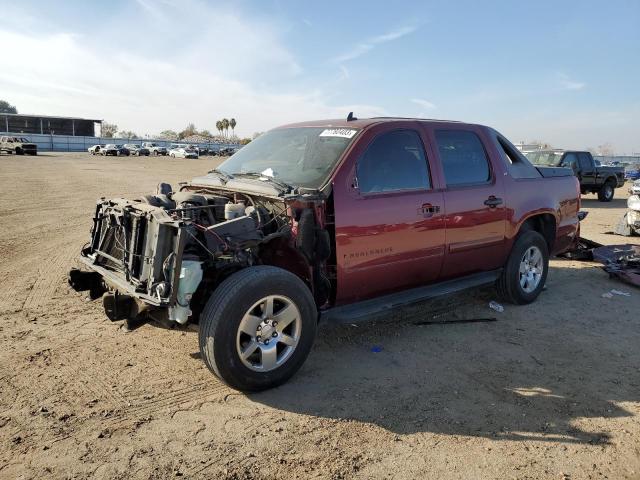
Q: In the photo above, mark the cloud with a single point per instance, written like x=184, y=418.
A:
x=423, y=103
x=366, y=46
x=344, y=73
x=569, y=84
x=69, y=75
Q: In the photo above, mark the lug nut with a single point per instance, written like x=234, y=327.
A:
x=274, y=323
x=266, y=342
x=259, y=327
x=258, y=338
x=274, y=334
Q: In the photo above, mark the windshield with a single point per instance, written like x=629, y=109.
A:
x=549, y=159
x=301, y=156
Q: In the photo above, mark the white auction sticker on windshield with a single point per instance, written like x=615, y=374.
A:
x=338, y=132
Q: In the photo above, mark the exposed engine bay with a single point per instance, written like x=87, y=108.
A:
x=159, y=254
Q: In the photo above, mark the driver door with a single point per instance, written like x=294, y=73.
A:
x=389, y=217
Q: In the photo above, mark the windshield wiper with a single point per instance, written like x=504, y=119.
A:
x=285, y=187
x=222, y=175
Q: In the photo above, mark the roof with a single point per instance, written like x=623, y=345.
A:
x=48, y=116
x=363, y=122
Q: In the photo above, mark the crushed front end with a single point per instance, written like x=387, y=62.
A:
x=161, y=255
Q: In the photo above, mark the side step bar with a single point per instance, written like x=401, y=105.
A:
x=362, y=311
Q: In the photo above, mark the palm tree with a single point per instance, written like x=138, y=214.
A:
x=219, y=127
x=232, y=124
x=225, y=124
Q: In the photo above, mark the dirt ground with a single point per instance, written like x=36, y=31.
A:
x=549, y=390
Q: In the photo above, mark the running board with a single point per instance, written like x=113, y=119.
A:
x=360, y=311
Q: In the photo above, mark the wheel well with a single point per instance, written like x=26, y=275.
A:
x=544, y=224
x=611, y=180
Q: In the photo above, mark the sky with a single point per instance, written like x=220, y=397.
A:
x=567, y=73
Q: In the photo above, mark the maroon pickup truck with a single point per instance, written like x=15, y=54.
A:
x=336, y=221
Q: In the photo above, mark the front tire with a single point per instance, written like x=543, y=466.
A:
x=605, y=194
x=257, y=328
x=525, y=272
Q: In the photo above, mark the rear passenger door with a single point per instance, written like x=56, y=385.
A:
x=474, y=202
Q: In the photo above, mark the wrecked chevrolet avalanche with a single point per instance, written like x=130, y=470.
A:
x=327, y=221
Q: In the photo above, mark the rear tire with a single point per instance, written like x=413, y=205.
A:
x=523, y=277
x=234, y=318
x=605, y=194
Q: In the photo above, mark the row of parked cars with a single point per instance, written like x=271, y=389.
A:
x=176, y=150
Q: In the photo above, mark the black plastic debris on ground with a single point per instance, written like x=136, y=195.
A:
x=583, y=251
x=620, y=261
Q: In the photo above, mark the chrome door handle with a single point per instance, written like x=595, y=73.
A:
x=427, y=210
x=493, y=202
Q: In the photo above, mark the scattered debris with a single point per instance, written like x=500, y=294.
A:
x=496, y=306
x=536, y=360
x=464, y=320
x=623, y=228
x=619, y=292
x=583, y=251
x=607, y=295
x=620, y=261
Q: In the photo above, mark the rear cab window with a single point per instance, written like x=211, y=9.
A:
x=518, y=165
x=463, y=158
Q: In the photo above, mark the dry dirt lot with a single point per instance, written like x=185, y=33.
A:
x=549, y=390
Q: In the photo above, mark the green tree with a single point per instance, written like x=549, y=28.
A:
x=225, y=125
x=232, y=124
x=128, y=134
x=219, y=127
x=108, y=130
x=169, y=135
x=6, y=107
x=206, y=133
x=188, y=131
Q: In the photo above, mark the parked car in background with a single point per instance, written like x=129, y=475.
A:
x=182, y=152
x=155, y=149
x=332, y=220
x=112, y=149
x=95, y=149
x=136, y=150
x=18, y=145
x=226, y=151
x=593, y=179
x=632, y=173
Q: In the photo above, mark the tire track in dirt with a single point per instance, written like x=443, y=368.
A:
x=49, y=278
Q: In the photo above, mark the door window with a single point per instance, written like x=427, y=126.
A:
x=463, y=158
x=394, y=161
x=585, y=162
x=570, y=160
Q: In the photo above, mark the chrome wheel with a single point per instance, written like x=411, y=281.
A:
x=269, y=333
x=608, y=192
x=531, y=269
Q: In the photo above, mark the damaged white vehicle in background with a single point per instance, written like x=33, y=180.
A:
x=629, y=224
